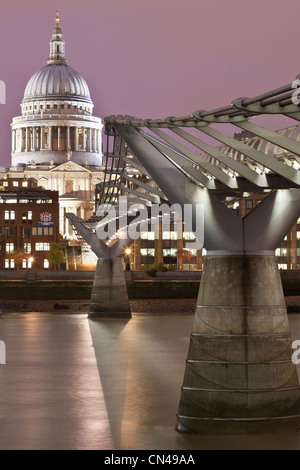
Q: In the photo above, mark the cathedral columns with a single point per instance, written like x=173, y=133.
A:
x=50, y=138
x=68, y=138
x=26, y=139
x=41, y=138
x=90, y=139
x=84, y=138
x=58, y=138
x=94, y=139
x=76, y=139
x=33, y=139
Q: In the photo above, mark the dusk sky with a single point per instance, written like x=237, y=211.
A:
x=153, y=58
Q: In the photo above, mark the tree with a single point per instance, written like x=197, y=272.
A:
x=18, y=256
x=185, y=254
x=55, y=255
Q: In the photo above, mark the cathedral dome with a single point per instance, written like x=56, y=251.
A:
x=57, y=123
x=57, y=81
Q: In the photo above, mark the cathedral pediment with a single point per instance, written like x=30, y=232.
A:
x=69, y=166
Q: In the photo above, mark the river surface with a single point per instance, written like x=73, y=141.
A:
x=74, y=383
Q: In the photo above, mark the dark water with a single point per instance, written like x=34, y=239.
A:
x=75, y=383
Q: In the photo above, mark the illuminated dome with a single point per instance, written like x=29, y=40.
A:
x=57, y=81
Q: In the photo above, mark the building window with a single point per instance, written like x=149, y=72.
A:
x=169, y=251
x=147, y=235
x=42, y=231
x=9, y=264
x=42, y=246
x=26, y=232
x=24, y=184
x=26, y=264
x=9, y=247
x=9, y=216
x=27, y=247
x=169, y=235
x=46, y=264
x=189, y=236
x=7, y=232
x=26, y=217
x=15, y=184
x=249, y=204
x=147, y=251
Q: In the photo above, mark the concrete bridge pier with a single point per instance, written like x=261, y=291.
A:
x=109, y=297
x=109, y=294
x=239, y=376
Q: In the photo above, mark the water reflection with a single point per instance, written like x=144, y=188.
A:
x=74, y=383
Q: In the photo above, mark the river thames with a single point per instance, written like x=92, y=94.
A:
x=74, y=383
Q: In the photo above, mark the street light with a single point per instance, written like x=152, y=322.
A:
x=127, y=263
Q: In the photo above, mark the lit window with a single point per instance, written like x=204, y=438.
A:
x=26, y=264
x=9, y=247
x=189, y=236
x=42, y=246
x=46, y=264
x=27, y=247
x=15, y=184
x=169, y=251
x=25, y=184
x=169, y=235
x=9, y=264
x=147, y=251
x=147, y=235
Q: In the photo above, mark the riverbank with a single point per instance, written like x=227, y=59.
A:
x=151, y=306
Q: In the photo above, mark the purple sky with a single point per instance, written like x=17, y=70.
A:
x=153, y=58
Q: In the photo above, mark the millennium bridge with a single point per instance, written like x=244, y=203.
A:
x=239, y=376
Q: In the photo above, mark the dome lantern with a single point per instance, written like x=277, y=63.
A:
x=57, y=45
